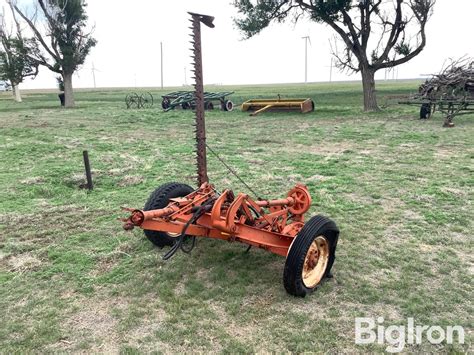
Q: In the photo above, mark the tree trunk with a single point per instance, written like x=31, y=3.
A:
x=368, y=84
x=68, y=91
x=16, y=92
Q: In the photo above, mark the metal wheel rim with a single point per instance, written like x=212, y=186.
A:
x=148, y=100
x=316, y=262
x=134, y=100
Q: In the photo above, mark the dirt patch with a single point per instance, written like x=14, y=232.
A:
x=93, y=322
x=34, y=180
x=267, y=141
x=129, y=180
x=445, y=152
x=132, y=158
x=37, y=230
x=257, y=161
x=79, y=180
x=391, y=205
x=69, y=142
x=360, y=199
x=317, y=178
x=38, y=124
x=329, y=149
x=23, y=263
x=412, y=215
x=247, y=333
x=119, y=171
x=180, y=288
x=108, y=261
x=150, y=324
x=454, y=191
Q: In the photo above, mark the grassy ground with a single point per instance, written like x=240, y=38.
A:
x=400, y=189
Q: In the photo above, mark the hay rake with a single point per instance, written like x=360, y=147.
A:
x=143, y=100
x=176, y=213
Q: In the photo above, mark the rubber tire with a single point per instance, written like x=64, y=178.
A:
x=228, y=106
x=165, y=103
x=209, y=106
x=425, y=111
x=160, y=199
x=292, y=274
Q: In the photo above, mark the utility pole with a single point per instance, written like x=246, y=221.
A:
x=161, y=47
x=306, y=39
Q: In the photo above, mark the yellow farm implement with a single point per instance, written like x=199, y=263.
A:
x=261, y=105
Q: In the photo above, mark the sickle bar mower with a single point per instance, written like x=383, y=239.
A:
x=176, y=213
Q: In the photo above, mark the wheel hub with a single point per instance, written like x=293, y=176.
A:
x=316, y=262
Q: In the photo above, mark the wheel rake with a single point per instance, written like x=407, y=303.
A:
x=137, y=101
x=176, y=214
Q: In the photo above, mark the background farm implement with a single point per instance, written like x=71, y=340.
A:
x=143, y=100
x=187, y=100
x=450, y=92
x=262, y=105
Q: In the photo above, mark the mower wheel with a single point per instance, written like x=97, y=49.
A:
x=160, y=199
x=311, y=256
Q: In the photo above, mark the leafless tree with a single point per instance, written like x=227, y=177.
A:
x=16, y=51
x=375, y=34
x=59, y=26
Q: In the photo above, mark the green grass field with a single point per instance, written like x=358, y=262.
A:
x=400, y=190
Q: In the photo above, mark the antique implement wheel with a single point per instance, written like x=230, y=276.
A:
x=146, y=100
x=311, y=256
x=426, y=111
x=227, y=105
x=165, y=103
x=132, y=100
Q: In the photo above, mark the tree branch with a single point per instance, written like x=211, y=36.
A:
x=38, y=35
x=394, y=34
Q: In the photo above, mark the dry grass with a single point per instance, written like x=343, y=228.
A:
x=71, y=280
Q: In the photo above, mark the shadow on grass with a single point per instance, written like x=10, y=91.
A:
x=30, y=108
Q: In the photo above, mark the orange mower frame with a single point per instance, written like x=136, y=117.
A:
x=277, y=226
